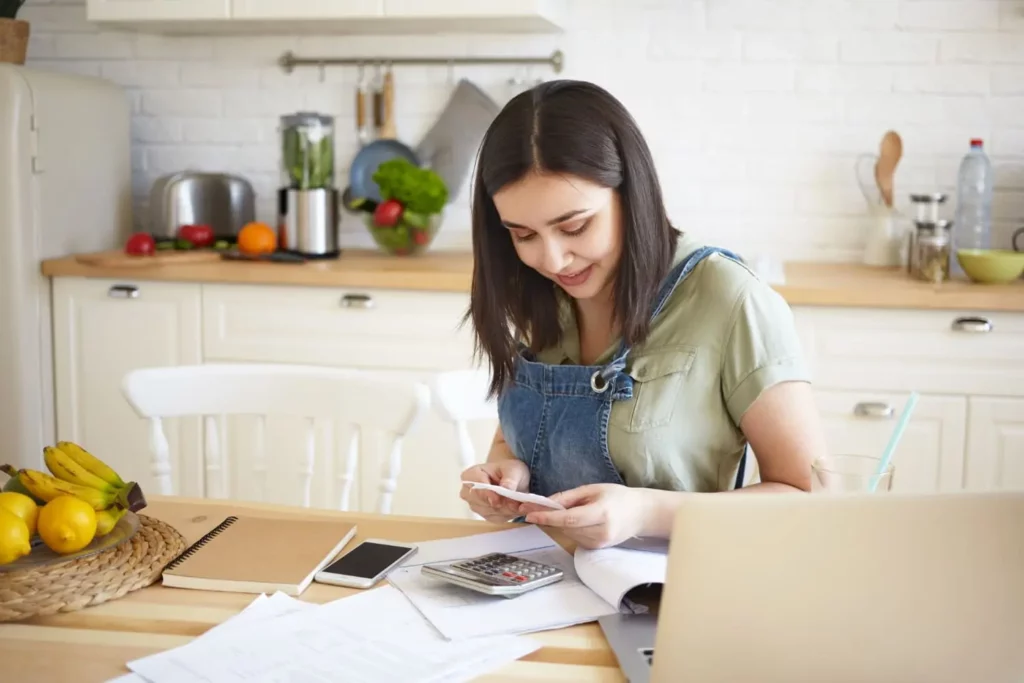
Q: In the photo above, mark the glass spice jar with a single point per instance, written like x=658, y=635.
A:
x=932, y=257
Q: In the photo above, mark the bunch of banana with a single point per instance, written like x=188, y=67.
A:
x=78, y=473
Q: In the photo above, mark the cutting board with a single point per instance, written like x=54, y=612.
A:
x=119, y=259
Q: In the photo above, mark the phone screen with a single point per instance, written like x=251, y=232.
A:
x=367, y=560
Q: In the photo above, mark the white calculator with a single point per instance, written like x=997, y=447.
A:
x=496, y=574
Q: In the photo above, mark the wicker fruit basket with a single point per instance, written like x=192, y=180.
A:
x=92, y=578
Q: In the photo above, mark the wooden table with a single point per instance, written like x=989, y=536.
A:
x=93, y=644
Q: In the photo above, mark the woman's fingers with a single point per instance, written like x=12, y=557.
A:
x=582, y=516
x=576, y=496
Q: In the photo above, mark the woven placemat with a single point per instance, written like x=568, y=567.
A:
x=112, y=574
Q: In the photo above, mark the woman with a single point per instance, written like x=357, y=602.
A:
x=632, y=364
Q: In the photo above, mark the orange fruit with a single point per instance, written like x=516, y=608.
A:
x=257, y=238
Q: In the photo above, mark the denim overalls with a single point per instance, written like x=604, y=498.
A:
x=555, y=417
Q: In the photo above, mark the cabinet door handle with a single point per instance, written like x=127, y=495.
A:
x=972, y=324
x=875, y=410
x=357, y=301
x=123, y=292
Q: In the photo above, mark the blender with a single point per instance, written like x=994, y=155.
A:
x=308, y=196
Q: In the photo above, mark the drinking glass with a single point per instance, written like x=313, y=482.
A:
x=850, y=474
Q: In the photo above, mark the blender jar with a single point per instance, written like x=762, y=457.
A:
x=307, y=151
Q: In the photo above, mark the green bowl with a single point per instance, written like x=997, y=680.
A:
x=404, y=239
x=991, y=266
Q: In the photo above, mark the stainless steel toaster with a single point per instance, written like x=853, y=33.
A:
x=223, y=201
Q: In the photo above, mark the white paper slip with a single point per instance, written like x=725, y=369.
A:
x=459, y=613
x=263, y=607
x=372, y=637
x=516, y=495
x=613, y=572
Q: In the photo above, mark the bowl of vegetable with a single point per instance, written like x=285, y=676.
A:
x=411, y=209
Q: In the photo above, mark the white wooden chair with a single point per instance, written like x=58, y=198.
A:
x=459, y=397
x=361, y=399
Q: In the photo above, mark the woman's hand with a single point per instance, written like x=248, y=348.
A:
x=510, y=473
x=597, y=515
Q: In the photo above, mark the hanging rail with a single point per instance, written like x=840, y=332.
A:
x=289, y=61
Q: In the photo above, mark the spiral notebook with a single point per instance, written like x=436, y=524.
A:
x=259, y=555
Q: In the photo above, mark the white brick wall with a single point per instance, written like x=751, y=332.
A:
x=755, y=109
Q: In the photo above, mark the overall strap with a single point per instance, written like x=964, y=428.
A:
x=668, y=286
x=681, y=270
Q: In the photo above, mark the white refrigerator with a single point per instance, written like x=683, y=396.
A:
x=65, y=188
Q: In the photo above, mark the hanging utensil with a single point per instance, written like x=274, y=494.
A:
x=362, y=131
x=378, y=104
x=450, y=145
x=388, y=129
x=885, y=168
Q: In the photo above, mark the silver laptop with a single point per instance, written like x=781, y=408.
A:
x=842, y=588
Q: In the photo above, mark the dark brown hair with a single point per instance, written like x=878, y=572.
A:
x=574, y=128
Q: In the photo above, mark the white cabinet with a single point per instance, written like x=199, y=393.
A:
x=307, y=9
x=967, y=431
x=930, y=455
x=469, y=15
x=331, y=16
x=102, y=329
x=948, y=352
x=338, y=327
x=995, y=444
x=156, y=10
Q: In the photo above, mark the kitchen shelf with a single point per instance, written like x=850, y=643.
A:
x=329, y=17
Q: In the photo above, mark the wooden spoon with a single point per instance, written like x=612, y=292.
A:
x=885, y=168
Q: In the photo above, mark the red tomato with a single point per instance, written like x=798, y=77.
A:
x=420, y=237
x=198, y=235
x=140, y=244
x=387, y=213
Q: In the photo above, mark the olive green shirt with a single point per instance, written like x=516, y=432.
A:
x=723, y=337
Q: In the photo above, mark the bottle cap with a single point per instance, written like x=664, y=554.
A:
x=976, y=142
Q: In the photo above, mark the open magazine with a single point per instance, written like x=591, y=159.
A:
x=595, y=584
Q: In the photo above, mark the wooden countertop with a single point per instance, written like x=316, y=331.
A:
x=433, y=271
x=807, y=284
x=93, y=644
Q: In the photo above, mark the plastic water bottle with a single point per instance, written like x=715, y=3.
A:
x=972, y=225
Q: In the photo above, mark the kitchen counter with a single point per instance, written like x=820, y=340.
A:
x=93, y=644
x=434, y=271
x=806, y=284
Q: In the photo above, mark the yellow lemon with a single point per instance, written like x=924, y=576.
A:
x=22, y=506
x=67, y=524
x=14, y=537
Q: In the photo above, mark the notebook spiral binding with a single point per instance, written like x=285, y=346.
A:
x=207, y=537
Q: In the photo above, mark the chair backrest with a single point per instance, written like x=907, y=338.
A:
x=460, y=397
x=362, y=399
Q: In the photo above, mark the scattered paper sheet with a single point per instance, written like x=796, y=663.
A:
x=370, y=637
x=263, y=607
x=516, y=495
x=459, y=613
x=613, y=572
